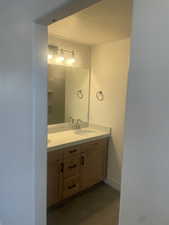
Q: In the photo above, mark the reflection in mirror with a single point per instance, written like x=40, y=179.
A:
x=68, y=93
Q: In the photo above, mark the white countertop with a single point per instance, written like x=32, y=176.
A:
x=70, y=138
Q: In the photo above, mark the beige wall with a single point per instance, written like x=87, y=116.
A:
x=110, y=64
x=82, y=52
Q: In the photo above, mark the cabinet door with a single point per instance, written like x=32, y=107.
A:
x=54, y=179
x=53, y=184
x=93, y=163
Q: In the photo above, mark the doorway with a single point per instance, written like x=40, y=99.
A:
x=100, y=47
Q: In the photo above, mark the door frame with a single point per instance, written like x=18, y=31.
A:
x=39, y=96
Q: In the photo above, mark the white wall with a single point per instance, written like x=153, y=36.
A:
x=23, y=93
x=82, y=52
x=145, y=182
x=109, y=73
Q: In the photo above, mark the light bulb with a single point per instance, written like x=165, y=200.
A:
x=60, y=59
x=71, y=61
x=50, y=56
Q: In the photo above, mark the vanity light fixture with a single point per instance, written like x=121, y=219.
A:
x=61, y=57
x=52, y=51
x=57, y=55
x=71, y=60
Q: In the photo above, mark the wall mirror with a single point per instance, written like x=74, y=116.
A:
x=68, y=93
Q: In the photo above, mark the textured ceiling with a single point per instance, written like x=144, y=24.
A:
x=109, y=20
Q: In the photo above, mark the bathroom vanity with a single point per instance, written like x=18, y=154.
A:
x=77, y=159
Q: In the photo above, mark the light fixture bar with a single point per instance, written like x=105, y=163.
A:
x=55, y=50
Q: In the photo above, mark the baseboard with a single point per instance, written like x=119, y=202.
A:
x=113, y=183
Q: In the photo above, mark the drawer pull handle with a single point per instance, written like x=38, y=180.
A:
x=72, y=167
x=72, y=151
x=73, y=186
x=96, y=143
x=62, y=167
x=82, y=160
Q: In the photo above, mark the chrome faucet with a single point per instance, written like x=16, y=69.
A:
x=78, y=124
x=72, y=121
x=75, y=123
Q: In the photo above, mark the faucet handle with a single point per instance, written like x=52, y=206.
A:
x=71, y=119
x=73, y=122
x=79, y=121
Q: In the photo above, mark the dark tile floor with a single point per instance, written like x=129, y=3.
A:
x=97, y=206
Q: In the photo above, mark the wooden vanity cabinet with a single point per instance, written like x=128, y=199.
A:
x=75, y=169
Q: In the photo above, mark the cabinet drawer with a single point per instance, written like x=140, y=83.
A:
x=71, y=166
x=70, y=186
x=69, y=152
x=55, y=156
x=97, y=145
